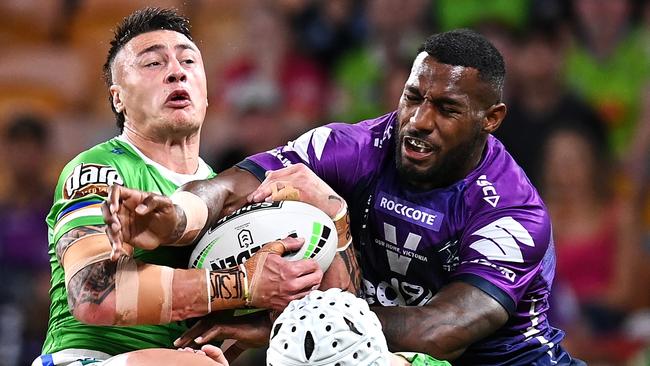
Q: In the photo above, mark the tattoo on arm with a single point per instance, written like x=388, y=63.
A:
x=92, y=284
x=352, y=265
x=180, y=228
x=335, y=198
x=227, y=284
x=71, y=236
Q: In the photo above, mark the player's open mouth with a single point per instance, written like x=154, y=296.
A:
x=417, y=145
x=178, y=99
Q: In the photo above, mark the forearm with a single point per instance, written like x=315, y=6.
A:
x=344, y=273
x=422, y=329
x=127, y=292
x=221, y=195
x=458, y=316
x=130, y=293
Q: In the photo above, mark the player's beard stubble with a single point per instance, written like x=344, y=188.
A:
x=449, y=168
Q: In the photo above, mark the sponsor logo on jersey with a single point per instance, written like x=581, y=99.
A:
x=489, y=192
x=88, y=179
x=409, y=211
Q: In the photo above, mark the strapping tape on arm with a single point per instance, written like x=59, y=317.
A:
x=196, y=214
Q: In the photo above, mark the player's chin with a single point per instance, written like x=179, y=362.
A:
x=410, y=170
x=184, y=121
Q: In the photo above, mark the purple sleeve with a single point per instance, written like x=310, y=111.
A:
x=328, y=151
x=502, y=252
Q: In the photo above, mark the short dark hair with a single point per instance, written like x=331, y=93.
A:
x=464, y=47
x=141, y=21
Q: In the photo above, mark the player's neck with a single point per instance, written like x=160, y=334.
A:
x=180, y=155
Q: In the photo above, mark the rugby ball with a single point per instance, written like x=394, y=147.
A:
x=236, y=237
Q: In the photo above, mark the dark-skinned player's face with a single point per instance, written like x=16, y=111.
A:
x=442, y=123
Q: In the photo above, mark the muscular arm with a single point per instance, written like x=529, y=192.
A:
x=225, y=193
x=459, y=315
x=129, y=292
x=344, y=273
x=93, y=290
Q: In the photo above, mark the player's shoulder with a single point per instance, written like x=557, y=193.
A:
x=113, y=151
x=337, y=142
x=370, y=133
x=500, y=184
x=102, y=165
x=498, y=196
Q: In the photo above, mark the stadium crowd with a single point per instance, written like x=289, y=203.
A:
x=578, y=122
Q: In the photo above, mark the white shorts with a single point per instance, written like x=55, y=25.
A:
x=72, y=357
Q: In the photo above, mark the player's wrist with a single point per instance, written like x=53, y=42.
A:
x=227, y=289
x=192, y=215
x=341, y=221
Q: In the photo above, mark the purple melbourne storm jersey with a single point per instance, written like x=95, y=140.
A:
x=490, y=230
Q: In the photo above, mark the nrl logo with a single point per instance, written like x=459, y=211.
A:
x=88, y=179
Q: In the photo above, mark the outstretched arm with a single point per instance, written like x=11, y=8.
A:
x=147, y=220
x=128, y=292
x=459, y=315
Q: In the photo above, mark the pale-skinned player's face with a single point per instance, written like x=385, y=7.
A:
x=444, y=117
x=159, y=84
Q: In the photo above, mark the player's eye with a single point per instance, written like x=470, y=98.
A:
x=447, y=111
x=412, y=97
x=152, y=64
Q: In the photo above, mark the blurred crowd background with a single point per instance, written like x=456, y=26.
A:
x=578, y=96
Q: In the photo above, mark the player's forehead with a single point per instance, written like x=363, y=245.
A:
x=428, y=74
x=156, y=40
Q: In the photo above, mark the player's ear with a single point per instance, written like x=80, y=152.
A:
x=494, y=115
x=116, y=91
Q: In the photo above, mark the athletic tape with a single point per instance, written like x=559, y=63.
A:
x=127, y=285
x=87, y=250
x=342, y=224
x=196, y=214
x=143, y=293
x=287, y=193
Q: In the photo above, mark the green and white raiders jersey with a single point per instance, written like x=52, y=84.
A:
x=81, y=189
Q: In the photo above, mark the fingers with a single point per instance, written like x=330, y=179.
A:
x=308, y=282
x=281, y=176
x=215, y=353
x=304, y=267
x=292, y=244
x=192, y=350
x=188, y=337
x=110, y=208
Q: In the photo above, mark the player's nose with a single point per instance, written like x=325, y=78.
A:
x=423, y=119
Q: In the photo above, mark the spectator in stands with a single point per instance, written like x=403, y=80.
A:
x=23, y=260
x=597, y=245
x=542, y=100
x=608, y=63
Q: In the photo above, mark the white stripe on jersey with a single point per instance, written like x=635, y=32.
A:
x=92, y=210
x=316, y=137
